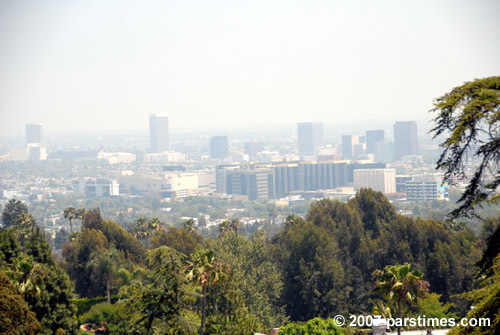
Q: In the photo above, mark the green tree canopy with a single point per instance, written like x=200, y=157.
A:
x=12, y=212
x=469, y=118
x=15, y=316
x=398, y=285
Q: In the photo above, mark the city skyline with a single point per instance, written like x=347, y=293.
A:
x=233, y=65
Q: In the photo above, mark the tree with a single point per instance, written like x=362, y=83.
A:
x=145, y=229
x=203, y=269
x=224, y=226
x=12, y=211
x=62, y=236
x=469, y=115
x=25, y=227
x=26, y=274
x=257, y=281
x=104, y=264
x=397, y=284
x=314, y=282
x=80, y=214
x=53, y=306
x=180, y=239
x=316, y=326
x=235, y=225
x=15, y=316
x=486, y=301
x=70, y=213
x=9, y=246
x=92, y=219
x=159, y=306
x=189, y=225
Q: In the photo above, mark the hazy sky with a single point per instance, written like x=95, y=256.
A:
x=94, y=65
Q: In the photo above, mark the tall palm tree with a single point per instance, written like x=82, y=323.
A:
x=273, y=213
x=235, y=225
x=80, y=214
x=155, y=224
x=70, y=213
x=224, y=226
x=189, y=225
x=203, y=269
x=398, y=284
x=105, y=263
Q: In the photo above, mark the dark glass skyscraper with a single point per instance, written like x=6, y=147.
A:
x=310, y=136
x=405, y=139
x=158, y=132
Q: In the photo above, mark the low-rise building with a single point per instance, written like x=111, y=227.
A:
x=382, y=180
x=100, y=187
x=423, y=191
x=162, y=185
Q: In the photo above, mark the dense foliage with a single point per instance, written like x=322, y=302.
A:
x=469, y=115
x=173, y=281
x=333, y=253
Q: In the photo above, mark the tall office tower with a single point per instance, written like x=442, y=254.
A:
x=35, y=142
x=158, y=132
x=310, y=135
x=405, y=139
x=372, y=137
x=253, y=148
x=358, y=150
x=348, y=142
x=219, y=147
x=34, y=134
x=383, y=151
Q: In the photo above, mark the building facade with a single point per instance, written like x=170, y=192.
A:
x=310, y=137
x=158, y=133
x=35, y=134
x=424, y=191
x=100, y=187
x=253, y=148
x=382, y=180
x=405, y=139
x=35, y=142
x=348, y=142
x=372, y=137
x=219, y=147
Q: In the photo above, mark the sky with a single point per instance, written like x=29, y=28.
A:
x=103, y=66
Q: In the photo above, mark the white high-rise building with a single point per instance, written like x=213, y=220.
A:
x=310, y=138
x=158, y=132
x=35, y=142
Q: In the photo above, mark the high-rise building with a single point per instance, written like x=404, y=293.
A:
x=372, y=137
x=34, y=134
x=219, y=147
x=253, y=148
x=358, y=150
x=348, y=142
x=158, y=132
x=310, y=137
x=405, y=139
x=35, y=142
x=383, y=151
